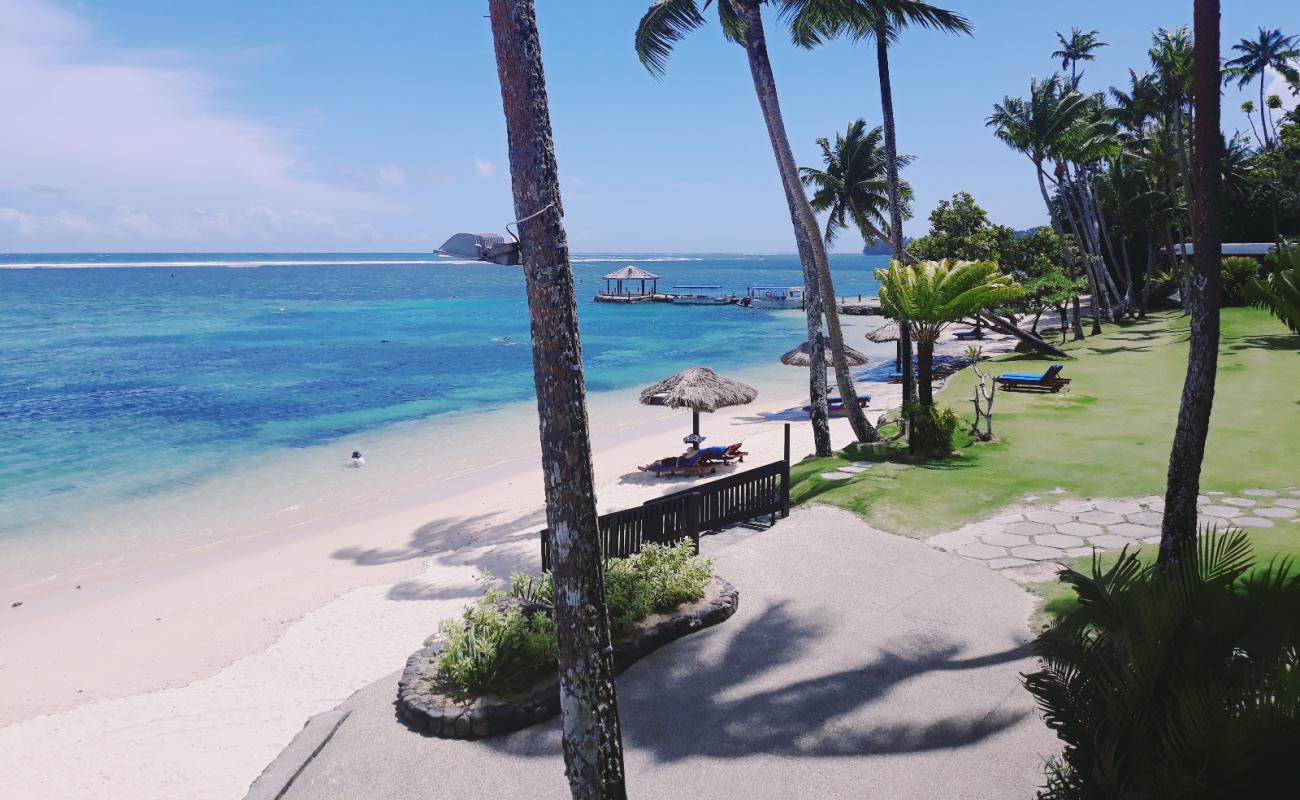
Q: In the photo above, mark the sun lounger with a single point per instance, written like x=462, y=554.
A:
x=968, y=335
x=1049, y=381
x=693, y=464
x=734, y=453
x=835, y=406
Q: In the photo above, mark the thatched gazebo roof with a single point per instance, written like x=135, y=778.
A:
x=631, y=273
x=884, y=333
x=799, y=357
x=699, y=389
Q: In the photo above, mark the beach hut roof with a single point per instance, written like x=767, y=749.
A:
x=884, y=333
x=699, y=389
x=799, y=356
x=631, y=273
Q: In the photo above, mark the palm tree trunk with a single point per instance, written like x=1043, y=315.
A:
x=1066, y=252
x=806, y=233
x=925, y=371
x=863, y=431
x=1063, y=182
x=895, y=206
x=1178, y=530
x=593, y=745
x=1146, y=277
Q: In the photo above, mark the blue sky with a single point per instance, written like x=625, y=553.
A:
x=331, y=125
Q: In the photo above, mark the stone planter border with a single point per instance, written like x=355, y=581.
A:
x=428, y=711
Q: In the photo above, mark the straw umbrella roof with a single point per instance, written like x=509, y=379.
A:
x=699, y=389
x=884, y=333
x=799, y=357
x=631, y=273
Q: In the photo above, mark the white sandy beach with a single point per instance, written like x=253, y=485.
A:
x=180, y=669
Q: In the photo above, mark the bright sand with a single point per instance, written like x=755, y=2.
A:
x=181, y=668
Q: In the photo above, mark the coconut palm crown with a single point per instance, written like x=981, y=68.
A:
x=1079, y=47
x=854, y=186
x=1270, y=49
x=933, y=294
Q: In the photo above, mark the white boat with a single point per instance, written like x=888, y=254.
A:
x=774, y=297
x=703, y=295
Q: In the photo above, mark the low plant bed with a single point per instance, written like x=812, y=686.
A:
x=493, y=669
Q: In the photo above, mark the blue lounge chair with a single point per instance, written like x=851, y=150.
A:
x=1049, y=381
x=968, y=335
x=692, y=464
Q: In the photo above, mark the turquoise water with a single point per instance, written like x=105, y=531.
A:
x=121, y=382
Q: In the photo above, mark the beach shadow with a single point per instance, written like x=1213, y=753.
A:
x=763, y=696
x=1263, y=342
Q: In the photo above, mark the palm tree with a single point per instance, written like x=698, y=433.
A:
x=1035, y=126
x=854, y=186
x=1079, y=47
x=933, y=294
x=662, y=26
x=1270, y=49
x=593, y=745
x=1178, y=530
x=815, y=21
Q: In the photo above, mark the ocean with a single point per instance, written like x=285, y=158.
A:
x=127, y=380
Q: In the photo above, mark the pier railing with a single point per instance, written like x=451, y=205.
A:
x=716, y=504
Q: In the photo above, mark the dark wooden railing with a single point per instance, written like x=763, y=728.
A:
x=683, y=515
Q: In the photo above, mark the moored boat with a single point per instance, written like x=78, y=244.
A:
x=700, y=295
x=774, y=297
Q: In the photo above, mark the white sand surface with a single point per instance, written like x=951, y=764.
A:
x=181, y=670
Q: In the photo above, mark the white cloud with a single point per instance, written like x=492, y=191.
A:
x=484, y=168
x=107, y=146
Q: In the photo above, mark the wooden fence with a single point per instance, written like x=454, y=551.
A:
x=683, y=515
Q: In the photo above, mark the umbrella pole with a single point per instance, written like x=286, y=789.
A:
x=695, y=426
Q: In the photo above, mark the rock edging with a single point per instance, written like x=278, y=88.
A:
x=422, y=707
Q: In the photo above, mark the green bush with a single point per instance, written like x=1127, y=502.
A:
x=1182, y=681
x=505, y=642
x=1236, y=271
x=932, y=429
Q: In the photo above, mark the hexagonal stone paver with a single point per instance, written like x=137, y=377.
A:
x=1075, y=552
x=1295, y=492
x=1240, y=502
x=1003, y=563
x=1145, y=518
x=1037, y=552
x=1253, y=522
x=1151, y=498
x=1033, y=573
x=1151, y=540
x=1110, y=541
x=952, y=539
x=1200, y=498
x=1132, y=531
x=1275, y=512
x=1287, y=503
x=1004, y=539
x=865, y=464
x=1119, y=506
x=1028, y=528
x=1058, y=540
x=1227, y=512
x=1080, y=529
x=835, y=476
x=852, y=470
x=1101, y=517
x=1260, y=493
x=1048, y=517
x=981, y=551
x=1074, y=506
x=1004, y=518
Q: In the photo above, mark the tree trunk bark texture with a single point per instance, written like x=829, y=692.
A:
x=593, y=747
x=925, y=372
x=1178, y=530
x=806, y=232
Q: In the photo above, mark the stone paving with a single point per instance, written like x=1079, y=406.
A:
x=1026, y=543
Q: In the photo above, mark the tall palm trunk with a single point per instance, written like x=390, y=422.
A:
x=925, y=372
x=863, y=431
x=1178, y=530
x=593, y=745
x=806, y=233
x=895, y=209
x=1063, y=182
x=1068, y=254
x=1146, y=277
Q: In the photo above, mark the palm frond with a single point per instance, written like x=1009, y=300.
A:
x=664, y=24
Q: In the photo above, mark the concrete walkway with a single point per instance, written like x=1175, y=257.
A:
x=859, y=665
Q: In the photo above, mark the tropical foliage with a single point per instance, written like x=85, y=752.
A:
x=1279, y=292
x=853, y=189
x=1181, y=681
x=934, y=294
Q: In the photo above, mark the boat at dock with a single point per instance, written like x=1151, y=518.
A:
x=774, y=297
x=701, y=295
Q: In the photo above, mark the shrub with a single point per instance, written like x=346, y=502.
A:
x=932, y=429
x=505, y=642
x=1236, y=271
x=1182, y=681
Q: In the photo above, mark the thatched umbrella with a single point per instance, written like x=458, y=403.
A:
x=799, y=357
x=699, y=389
x=888, y=332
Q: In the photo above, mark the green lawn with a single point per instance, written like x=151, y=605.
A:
x=1109, y=436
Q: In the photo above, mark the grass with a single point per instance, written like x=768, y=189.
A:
x=1109, y=436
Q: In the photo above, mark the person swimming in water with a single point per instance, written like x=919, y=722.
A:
x=357, y=460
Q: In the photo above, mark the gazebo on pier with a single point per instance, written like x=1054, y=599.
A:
x=614, y=286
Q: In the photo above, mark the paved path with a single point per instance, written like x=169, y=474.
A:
x=1026, y=543
x=860, y=664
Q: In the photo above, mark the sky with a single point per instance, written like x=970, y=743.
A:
x=337, y=126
